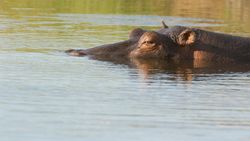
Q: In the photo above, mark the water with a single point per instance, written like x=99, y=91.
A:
x=47, y=95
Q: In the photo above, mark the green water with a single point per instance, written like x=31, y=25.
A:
x=47, y=95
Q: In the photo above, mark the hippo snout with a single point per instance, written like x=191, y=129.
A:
x=75, y=52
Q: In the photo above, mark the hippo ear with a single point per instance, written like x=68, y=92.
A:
x=186, y=37
x=136, y=33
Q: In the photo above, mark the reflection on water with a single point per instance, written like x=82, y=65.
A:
x=184, y=70
x=47, y=95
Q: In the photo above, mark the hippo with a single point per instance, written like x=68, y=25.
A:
x=173, y=44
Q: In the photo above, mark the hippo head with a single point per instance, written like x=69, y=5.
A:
x=165, y=43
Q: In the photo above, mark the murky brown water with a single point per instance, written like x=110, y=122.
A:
x=47, y=95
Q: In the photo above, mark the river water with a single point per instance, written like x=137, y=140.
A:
x=47, y=95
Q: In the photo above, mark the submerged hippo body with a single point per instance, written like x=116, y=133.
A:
x=175, y=43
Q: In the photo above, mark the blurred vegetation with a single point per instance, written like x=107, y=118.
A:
x=220, y=9
x=234, y=12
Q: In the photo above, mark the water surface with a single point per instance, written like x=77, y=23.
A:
x=47, y=95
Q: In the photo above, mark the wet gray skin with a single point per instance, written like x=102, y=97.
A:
x=173, y=44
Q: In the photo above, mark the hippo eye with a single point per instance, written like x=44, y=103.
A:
x=148, y=42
